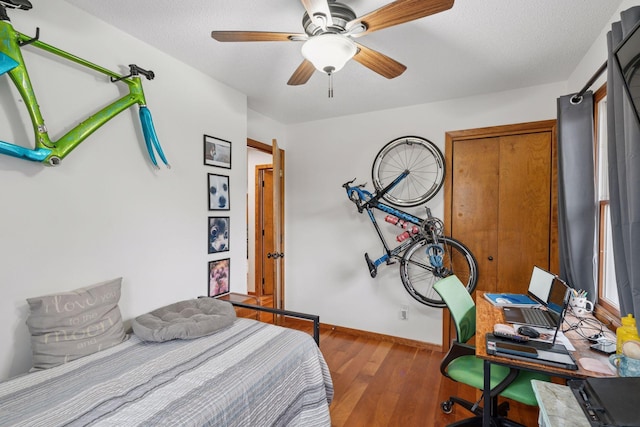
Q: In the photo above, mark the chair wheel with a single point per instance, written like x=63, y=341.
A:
x=447, y=406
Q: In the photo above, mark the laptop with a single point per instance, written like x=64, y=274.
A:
x=550, y=292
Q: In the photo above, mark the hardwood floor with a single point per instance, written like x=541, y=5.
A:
x=380, y=383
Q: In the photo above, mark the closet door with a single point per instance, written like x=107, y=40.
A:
x=474, y=208
x=524, y=211
x=500, y=201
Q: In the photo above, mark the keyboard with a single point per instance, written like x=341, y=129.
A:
x=535, y=316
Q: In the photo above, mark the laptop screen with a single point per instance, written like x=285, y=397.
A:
x=558, y=301
x=557, y=297
x=540, y=284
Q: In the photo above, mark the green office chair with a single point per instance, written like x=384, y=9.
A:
x=461, y=365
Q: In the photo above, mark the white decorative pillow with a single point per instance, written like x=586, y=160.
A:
x=70, y=325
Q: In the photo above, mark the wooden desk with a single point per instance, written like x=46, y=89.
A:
x=488, y=315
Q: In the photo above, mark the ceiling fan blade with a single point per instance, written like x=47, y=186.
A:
x=256, y=36
x=318, y=10
x=302, y=74
x=378, y=62
x=399, y=12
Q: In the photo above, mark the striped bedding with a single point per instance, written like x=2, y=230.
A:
x=251, y=374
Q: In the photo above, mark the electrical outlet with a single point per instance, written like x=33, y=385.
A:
x=404, y=312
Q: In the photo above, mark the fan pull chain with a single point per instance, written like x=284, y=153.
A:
x=330, y=85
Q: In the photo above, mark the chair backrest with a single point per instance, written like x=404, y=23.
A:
x=460, y=304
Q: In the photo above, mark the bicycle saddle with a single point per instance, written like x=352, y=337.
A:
x=16, y=4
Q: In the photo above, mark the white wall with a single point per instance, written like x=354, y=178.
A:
x=263, y=129
x=105, y=212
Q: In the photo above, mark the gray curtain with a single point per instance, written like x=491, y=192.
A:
x=624, y=174
x=577, y=206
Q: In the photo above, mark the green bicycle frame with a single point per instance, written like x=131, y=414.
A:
x=52, y=152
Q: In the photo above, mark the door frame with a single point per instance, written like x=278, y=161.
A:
x=266, y=148
x=491, y=132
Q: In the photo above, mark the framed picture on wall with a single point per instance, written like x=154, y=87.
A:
x=218, y=186
x=217, y=152
x=218, y=234
x=219, y=275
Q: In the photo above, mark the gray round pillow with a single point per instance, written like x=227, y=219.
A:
x=184, y=320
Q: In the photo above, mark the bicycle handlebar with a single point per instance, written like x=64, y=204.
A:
x=135, y=70
x=348, y=184
x=357, y=194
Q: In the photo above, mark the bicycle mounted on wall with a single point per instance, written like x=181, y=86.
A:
x=407, y=172
x=52, y=152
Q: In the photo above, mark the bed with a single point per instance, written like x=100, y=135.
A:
x=247, y=374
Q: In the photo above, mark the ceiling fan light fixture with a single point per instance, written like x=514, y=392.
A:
x=329, y=52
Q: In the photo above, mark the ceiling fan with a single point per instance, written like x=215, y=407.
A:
x=330, y=30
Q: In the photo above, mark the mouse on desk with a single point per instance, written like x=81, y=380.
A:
x=528, y=331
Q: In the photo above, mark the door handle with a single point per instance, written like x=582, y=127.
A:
x=275, y=255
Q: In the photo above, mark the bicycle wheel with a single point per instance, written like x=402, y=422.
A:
x=418, y=274
x=418, y=156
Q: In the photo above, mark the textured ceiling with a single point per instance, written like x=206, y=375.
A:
x=474, y=48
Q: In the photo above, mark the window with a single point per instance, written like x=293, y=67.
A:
x=606, y=284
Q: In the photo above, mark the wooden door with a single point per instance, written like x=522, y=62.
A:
x=524, y=211
x=264, y=230
x=500, y=201
x=274, y=279
x=277, y=225
x=476, y=202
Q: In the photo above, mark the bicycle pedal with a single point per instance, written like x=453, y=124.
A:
x=391, y=261
x=373, y=270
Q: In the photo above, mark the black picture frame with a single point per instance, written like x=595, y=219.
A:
x=219, y=277
x=218, y=231
x=217, y=152
x=218, y=190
